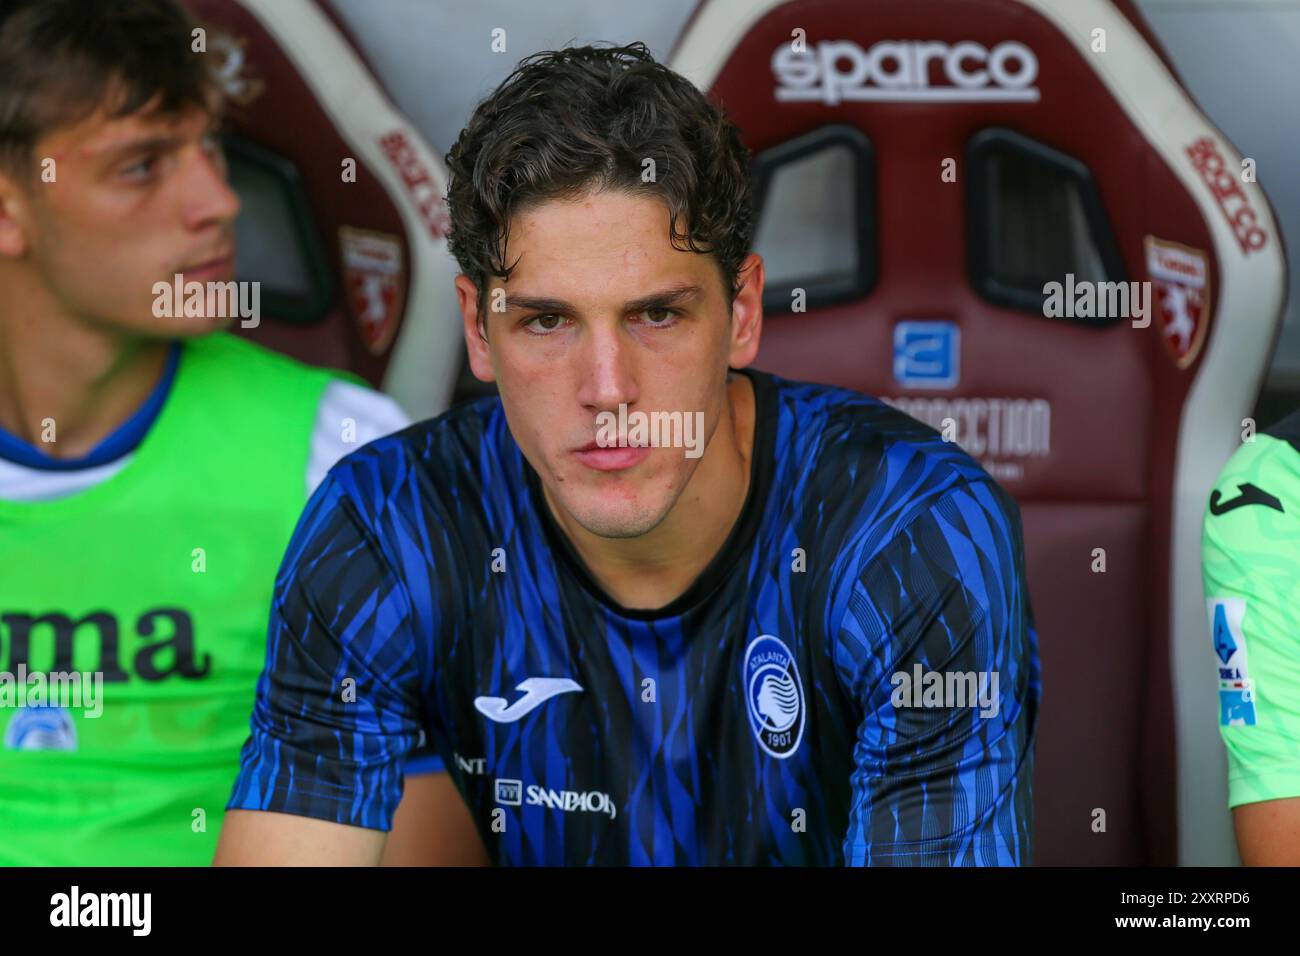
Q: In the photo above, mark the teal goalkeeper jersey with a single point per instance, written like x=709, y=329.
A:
x=1251, y=566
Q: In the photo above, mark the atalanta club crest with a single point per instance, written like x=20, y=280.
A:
x=41, y=728
x=774, y=695
x=374, y=280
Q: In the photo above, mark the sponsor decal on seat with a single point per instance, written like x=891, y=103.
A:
x=916, y=71
x=1225, y=186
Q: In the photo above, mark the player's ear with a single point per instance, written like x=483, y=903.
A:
x=747, y=312
x=474, y=319
x=13, y=206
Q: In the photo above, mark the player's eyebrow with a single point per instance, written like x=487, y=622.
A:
x=677, y=295
x=663, y=299
x=149, y=144
x=130, y=145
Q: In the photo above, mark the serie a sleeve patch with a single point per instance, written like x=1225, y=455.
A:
x=1236, y=690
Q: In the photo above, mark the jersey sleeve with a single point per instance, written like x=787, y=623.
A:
x=1250, y=562
x=348, y=417
x=337, y=709
x=423, y=760
x=938, y=648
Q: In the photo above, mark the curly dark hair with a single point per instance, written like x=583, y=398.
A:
x=567, y=122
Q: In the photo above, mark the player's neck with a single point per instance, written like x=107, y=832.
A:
x=65, y=378
x=652, y=570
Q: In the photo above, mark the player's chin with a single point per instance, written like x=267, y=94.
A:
x=193, y=326
x=620, y=523
x=618, y=513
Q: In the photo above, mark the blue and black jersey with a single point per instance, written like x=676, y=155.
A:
x=852, y=679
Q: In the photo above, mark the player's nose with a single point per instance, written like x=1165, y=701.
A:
x=208, y=197
x=608, y=377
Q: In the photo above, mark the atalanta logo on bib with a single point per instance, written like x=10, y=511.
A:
x=41, y=728
x=774, y=696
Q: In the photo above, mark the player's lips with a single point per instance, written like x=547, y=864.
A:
x=610, y=459
x=220, y=267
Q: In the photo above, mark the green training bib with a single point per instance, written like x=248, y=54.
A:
x=160, y=580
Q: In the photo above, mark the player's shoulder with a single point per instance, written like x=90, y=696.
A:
x=1256, y=496
x=240, y=358
x=349, y=416
x=344, y=397
x=345, y=402
x=234, y=373
x=445, y=452
x=846, y=445
x=1279, y=443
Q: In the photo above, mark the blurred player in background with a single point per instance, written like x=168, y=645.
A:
x=1251, y=565
x=680, y=650
x=151, y=467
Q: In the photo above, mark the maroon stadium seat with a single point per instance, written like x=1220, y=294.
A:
x=923, y=168
x=355, y=275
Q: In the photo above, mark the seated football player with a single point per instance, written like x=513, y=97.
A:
x=1250, y=561
x=152, y=465
x=650, y=606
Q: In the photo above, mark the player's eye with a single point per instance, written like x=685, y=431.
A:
x=211, y=143
x=544, y=324
x=140, y=170
x=659, y=318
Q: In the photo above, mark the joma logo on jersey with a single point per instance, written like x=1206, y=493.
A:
x=172, y=655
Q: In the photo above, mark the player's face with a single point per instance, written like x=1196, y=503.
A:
x=601, y=311
x=132, y=202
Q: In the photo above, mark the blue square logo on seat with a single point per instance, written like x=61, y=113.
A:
x=927, y=354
